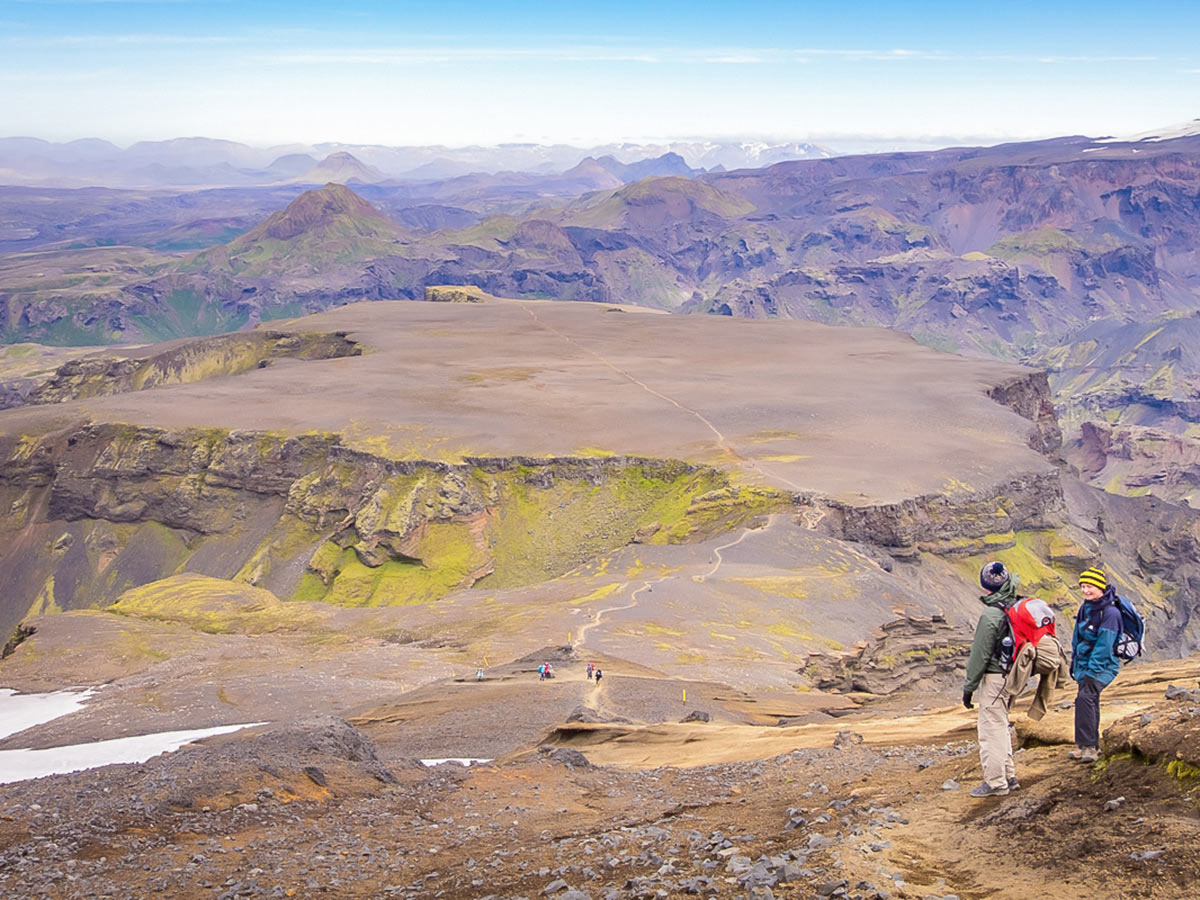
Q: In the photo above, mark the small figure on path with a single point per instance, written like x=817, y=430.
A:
x=591, y=669
x=599, y=675
x=542, y=672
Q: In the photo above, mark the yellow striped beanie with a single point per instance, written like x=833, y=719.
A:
x=1095, y=578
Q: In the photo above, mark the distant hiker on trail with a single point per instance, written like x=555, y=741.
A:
x=1094, y=660
x=599, y=675
x=479, y=674
x=590, y=670
x=985, y=673
x=542, y=672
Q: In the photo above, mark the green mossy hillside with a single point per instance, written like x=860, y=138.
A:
x=309, y=518
x=422, y=534
x=212, y=605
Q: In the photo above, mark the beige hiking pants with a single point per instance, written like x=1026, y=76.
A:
x=995, y=745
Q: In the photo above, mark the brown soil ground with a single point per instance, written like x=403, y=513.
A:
x=547, y=379
x=853, y=803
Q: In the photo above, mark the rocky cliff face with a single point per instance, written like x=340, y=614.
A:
x=1031, y=398
x=1134, y=460
x=102, y=508
x=956, y=523
x=104, y=374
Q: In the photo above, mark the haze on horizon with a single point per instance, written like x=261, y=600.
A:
x=466, y=72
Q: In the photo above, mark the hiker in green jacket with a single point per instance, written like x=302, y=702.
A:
x=986, y=675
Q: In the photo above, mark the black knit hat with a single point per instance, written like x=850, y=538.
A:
x=993, y=576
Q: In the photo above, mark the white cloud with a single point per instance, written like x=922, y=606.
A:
x=400, y=56
x=103, y=40
x=743, y=59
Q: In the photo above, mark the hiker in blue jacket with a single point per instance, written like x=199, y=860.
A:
x=1094, y=661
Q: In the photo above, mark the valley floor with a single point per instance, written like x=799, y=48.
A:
x=871, y=805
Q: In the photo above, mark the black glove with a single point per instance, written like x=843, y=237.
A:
x=967, y=699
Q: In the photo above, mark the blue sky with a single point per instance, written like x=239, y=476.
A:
x=459, y=72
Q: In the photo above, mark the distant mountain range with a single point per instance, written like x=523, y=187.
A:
x=1001, y=250
x=208, y=163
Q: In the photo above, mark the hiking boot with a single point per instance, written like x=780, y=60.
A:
x=985, y=790
x=1076, y=754
x=1089, y=755
x=1013, y=784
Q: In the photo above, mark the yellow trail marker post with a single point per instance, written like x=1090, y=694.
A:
x=685, y=695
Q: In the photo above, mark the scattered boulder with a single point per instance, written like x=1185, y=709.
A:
x=847, y=739
x=570, y=758
x=1177, y=692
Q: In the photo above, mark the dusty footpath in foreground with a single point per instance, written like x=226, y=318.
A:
x=872, y=804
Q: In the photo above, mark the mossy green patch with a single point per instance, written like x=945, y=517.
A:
x=1030, y=556
x=500, y=375
x=593, y=452
x=539, y=526
x=653, y=628
x=793, y=586
x=1040, y=243
x=44, y=603
x=784, y=630
x=448, y=558
x=213, y=605
x=1105, y=761
x=597, y=595
x=1183, y=770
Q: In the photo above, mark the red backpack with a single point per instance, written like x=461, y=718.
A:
x=1029, y=620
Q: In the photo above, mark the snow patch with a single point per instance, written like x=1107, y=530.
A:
x=19, y=765
x=21, y=711
x=1183, y=129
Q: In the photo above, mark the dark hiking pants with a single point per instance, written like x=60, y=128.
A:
x=1087, y=713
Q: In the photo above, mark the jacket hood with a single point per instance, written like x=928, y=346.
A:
x=1003, y=596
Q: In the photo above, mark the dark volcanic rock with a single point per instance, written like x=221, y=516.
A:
x=905, y=653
